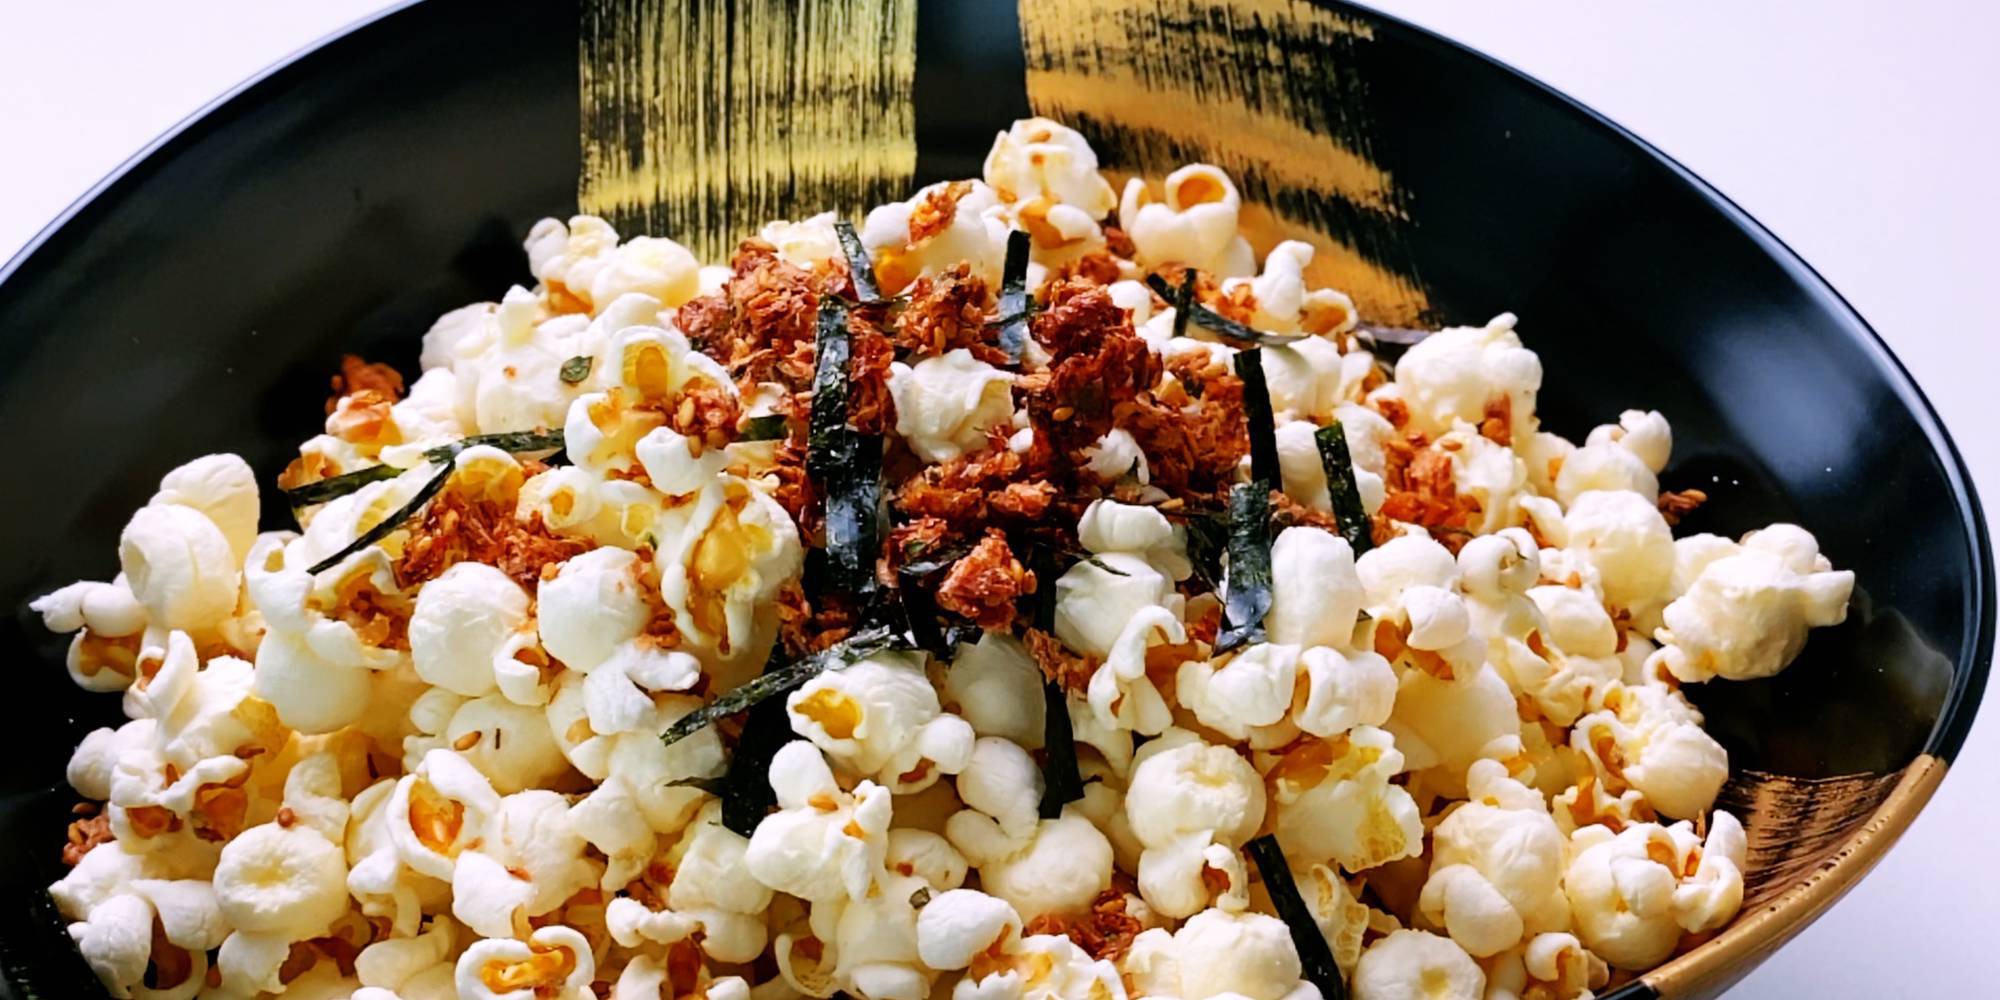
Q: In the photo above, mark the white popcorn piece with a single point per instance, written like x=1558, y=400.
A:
x=1650, y=738
x=1316, y=592
x=594, y=602
x=1038, y=160
x=1708, y=899
x=1236, y=694
x=938, y=228
x=1621, y=895
x=720, y=572
x=994, y=685
x=108, y=610
x=506, y=367
x=1193, y=223
x=223, y=489
x=1446, y=725
x=1746, y=610
x=554, y=963
x=880, y=718
x=1218, y=954
x=1459, y=373
x=1491, y=474
x=677, y=464
x=1644, y=433
x=391, y=963
x=1097, y=599
x=1333, y=799
x=1002, y=781
x=945, y=405
x=1116, y=456
x=507, y=742
x=1604, y=466
x=1416, y=965
x=462, y=623
x=1551, y=964
x=1340, y=914
x=283, y=881
x=1343, y=691
x=1182, y=801
x=1283, y=304
x=438, y=811
x=1388, y=570
x=804, y=243
x=179, y=566
x=1496, y=866
x=1059, y=868
x=530, y=843
x=959, y=926
x=1304, y=378
x=1624, y=537
x=647, y=978
x=825, y=844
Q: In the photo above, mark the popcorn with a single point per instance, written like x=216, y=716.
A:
x=506, y=368
x=530, y=859
x=1496, y=866
x=510, y=744
x=824, y=844
x=593, y=603
x=1059, y=868
x=880, y=718
x=1115, y=457
x=555, y=962
x=940, y=227
x=1002, y=781
x=1283, y=304
x=713, y=887
x=1038, y=160
x=958, y=926
x=1415, y=965
x=1621, y=896
x=1042, y=967
x=1236, y=694
x=289, y=882
x=1709, y=898
x=460, y=630
x=1650, y=738
x=179, y=566
x=1304, y=378
x=1446, y=725
x=1388, y=570
x=804, y=243
x=1745, y=614
x=1108, y=526
x=392, y=963
x=945, y=405
x=1303, y=474
x=1552, y=964
x=720, y=573
x=1097, y=599
x=996, y=688
x=1315, y=592
x=1193, y=225
x=1332, y=799
x=1491, y=474
x=1606, y=467
x=221, y=488
x=1342, y=918
x=1217, y=954
x=1622, y=536
x=438, y=811
x=1182, y=801
x=647, y=978
x=1461, y=373
x=1644, y=433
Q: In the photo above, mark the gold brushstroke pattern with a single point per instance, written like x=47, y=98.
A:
x=703, y=117
x=1256, y=87
x=1870, y=811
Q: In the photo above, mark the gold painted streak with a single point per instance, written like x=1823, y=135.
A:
x=701, y=118
x=1709, y=969
x=1257, y=87
x=1282, y=152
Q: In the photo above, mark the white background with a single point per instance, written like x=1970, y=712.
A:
x=1861, y=133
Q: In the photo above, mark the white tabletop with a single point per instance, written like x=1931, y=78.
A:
x=1862, y=134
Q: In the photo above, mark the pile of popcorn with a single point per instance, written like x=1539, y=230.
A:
x=434, y=768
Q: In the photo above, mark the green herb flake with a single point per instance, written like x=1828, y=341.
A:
x=576, y=369
x=769, y=427
x=1341, y=487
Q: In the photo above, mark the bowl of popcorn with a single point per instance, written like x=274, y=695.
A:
x=1132, y=503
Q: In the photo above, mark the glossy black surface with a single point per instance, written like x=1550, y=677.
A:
x=199, y=301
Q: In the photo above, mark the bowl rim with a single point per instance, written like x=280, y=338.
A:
x=1753, y=935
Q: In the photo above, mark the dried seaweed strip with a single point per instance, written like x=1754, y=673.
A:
x=1342, y=489
x=745, y=789
x=1249, y=594
x=1013, y=303
x=339, y=486
x=1062, y=779
x=1263, y=422
x=1315, y=954
x=860, y=270
x=1210, y=320
x=389, y=524
x=780, y=680
x=833, y=350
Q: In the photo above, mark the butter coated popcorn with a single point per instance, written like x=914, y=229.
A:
x=659, y=676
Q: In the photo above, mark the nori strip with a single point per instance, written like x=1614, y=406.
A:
x=769, y=427
x=1340, y=486
x=853, y=488
x=1207, y=540
x=1263, y=422
x=389, y=524
x=1209, y=319
x=860, y=269
x=1249, y=597
x=779, y=680
x=576, y=369
x=1315, y=954
x=341, y=485
x=745, y=789
x=1388, y=343
x=832, y=352
x=1062, y=780
x=1013, y=303
x=1183, y=301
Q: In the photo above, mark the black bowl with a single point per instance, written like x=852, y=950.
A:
x=198, y=299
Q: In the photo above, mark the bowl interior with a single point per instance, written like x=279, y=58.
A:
x=200, y=300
